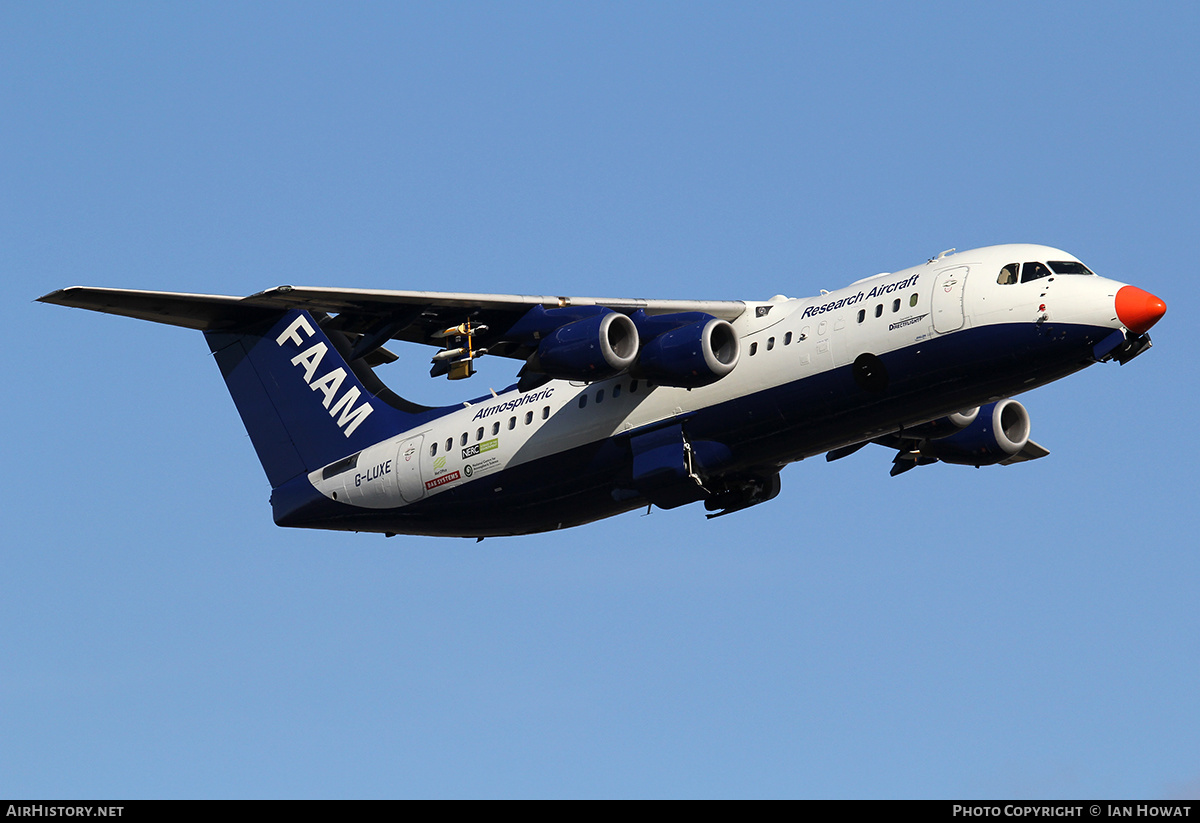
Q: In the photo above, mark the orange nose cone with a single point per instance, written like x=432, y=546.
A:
x=1138, y=310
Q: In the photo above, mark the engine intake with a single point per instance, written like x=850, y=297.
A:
x=588, y=343
x=999, y=432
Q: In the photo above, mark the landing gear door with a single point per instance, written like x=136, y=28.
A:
x=667, y=467
x=948, y=299
x=408, y=462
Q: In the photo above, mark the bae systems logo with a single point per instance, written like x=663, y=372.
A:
x=345, y=414
x=441, y=481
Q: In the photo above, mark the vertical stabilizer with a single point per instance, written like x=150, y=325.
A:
x=300, y=401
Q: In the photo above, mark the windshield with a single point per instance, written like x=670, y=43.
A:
x=1034, y=271
x=1069, y=267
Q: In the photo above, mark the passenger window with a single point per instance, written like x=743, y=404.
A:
x=479, y=434
x=545, y=412
x=495, y=428
x=753, y=349
x=632, y=386
x=862, y=315
x=433, y=450
x=787, y=339
x=896, y=305
x=1034, y=271
x=1008, y=274
x=879, y=310
x=616, y=391
x=600, y=396
x=512, y=422
x=528, y=418
x=583, y=400
x=770, y=343
x=912, y=300
x=463, y=439
x=449, y=444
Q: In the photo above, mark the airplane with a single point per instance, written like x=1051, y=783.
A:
x=622, y=404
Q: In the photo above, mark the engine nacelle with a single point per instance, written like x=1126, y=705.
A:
x=687, y=349
x=591, y=348
x=943, y=426
x=999, y=431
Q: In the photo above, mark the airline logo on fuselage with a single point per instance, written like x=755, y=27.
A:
x=345, y=414
x=908, y=321
x=878, y=291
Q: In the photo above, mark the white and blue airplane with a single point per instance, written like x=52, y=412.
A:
x=625, y=403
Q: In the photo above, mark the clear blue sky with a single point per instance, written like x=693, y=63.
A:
x=1029, y=631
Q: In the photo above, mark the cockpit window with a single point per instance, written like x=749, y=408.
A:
x=1069, y=267
x=1034, y=271
x=1008, y=274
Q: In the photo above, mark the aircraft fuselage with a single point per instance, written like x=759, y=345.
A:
x=875, y=358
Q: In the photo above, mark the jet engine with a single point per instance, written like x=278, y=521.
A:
x=685, y=349
x=999, y=431
x=584, y=343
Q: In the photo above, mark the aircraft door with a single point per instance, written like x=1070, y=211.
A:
x=947, y=304
x=408, y=462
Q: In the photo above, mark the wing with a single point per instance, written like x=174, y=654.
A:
x=371, y=317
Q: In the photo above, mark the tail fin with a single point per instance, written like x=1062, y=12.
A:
x=301, y=402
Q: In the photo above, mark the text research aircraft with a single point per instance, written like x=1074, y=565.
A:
x=625, y=403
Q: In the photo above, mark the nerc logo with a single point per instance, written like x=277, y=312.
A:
x=479, y=448
x=345, y=414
